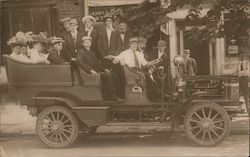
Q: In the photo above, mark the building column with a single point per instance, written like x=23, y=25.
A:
x=220, y=55
x=181, y=42
x=210, y=45
x=172, y=44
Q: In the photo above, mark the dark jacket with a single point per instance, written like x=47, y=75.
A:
x=87, y=60
x=94, y=36
x=165, y=61
x=124, y=44
x=102, y=44
x=70, y=47
x=55, y=58
x=190, y=67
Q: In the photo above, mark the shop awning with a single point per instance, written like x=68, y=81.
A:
x=96, y=3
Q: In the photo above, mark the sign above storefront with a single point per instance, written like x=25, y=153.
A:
x=100, y=12
x=67, y=9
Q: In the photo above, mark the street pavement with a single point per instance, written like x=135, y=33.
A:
x=126, y=145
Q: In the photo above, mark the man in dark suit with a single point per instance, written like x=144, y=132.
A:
x=190, y=65
x=55, y=56
x=91, y=31
x=108, y=39
x=124, y=35
x=109, y=44
x=72, y=41
x=162, y=55
x=71, y=46
x=87, y=60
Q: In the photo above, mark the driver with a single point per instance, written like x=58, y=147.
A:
x=135, y=61
x=86, y=60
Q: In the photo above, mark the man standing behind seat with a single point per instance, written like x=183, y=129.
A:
x=66, y=25
x=90, y=30
x=72, y=41
x=124, y=35
x=108, y=39
x=87, y=60
x=55, y=56
x=109, y=44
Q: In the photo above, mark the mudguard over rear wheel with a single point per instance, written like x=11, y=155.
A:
x=206, y=124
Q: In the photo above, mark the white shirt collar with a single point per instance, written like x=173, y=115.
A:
x=160, y=54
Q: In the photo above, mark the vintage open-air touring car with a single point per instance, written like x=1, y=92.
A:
x=64, y=107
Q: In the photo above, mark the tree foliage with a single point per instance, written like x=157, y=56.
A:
x=147, y=17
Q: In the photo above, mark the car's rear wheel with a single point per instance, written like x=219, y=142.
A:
x=57, y=127
x=206, y=124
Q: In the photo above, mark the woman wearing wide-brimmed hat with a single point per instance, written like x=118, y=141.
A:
x=19, y=47
x=36, y=53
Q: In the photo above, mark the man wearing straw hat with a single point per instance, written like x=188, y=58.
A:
x=55, y=55
x=90, y=30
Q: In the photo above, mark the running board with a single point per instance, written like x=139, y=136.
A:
x=139, y=124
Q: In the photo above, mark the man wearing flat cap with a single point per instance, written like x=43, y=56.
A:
x=66, y=24
x=87, y=61
x=90, y=30
x=55, y=55
x=190, y=65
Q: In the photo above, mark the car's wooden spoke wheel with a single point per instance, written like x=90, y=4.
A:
x=57, y=127
x=206, y=124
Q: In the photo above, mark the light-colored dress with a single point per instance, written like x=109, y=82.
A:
x=21, y=58
x=37, y=57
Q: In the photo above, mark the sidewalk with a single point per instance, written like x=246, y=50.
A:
x=15, y=119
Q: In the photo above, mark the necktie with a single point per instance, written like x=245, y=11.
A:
x=137, y=64
x=241, y=66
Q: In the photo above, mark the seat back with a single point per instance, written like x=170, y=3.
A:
x=135, y=90
x=27, y=74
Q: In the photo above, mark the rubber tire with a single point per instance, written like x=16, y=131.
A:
x=71, y=116
x=219, y=109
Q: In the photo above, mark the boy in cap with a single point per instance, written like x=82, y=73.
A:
x=87, y=61
x=90, y=30
x=55, y=55
x=190, y=65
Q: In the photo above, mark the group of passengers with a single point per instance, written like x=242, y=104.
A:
x=102, y=53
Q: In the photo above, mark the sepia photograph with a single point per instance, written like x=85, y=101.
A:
x=124, y=78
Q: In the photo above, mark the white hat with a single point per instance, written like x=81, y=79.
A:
x=86, y=38
x=88, y=17
x=55, y=40
x=186, y=51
